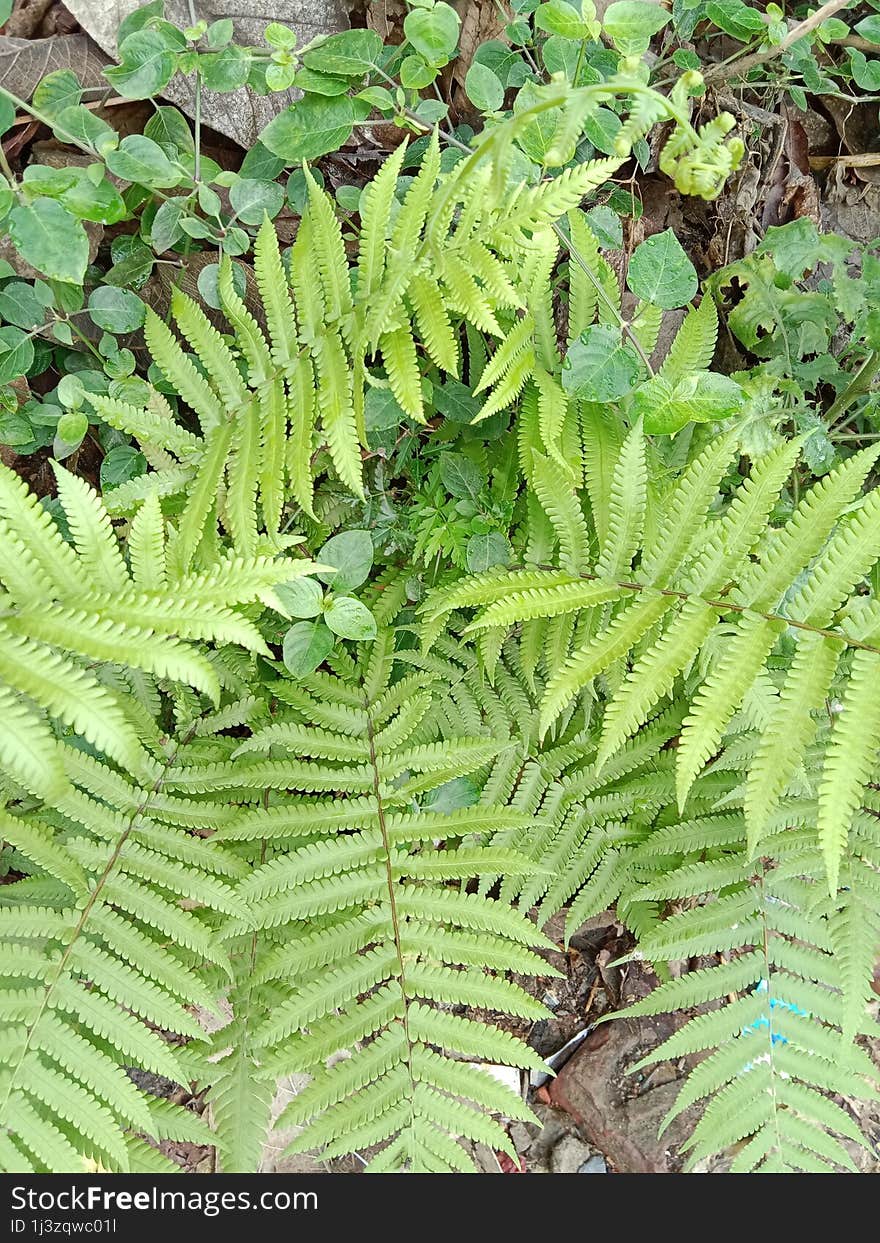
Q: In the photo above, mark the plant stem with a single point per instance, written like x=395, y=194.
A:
x=858, y=386
x=739, y=68
x=197, y=109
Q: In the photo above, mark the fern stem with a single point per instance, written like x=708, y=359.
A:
x=389, y=876
x=93, y=897
x=625, y=328
x=727, y=606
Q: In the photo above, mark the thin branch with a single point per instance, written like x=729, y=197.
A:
x=739, y=68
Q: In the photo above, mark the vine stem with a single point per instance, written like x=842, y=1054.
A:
x=738, y=68
x=858, y=386
x=197, y=107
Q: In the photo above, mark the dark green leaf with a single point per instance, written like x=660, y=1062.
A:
x=484, y=551
x=16, y=354
x=227, y=70
x=460, y=477
x=660, y=271
x=50, y=239
x=433, y=32
x=350, y=619
x=310, y=128
x=350, y=54
x=123, y=462
x=599, y=367
x=116, y=310
x=351, y=555
x=307, y=644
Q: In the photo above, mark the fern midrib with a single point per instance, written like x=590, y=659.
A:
x=765, y=947
x=724, y=606
x=392, y=902
x=136, y=815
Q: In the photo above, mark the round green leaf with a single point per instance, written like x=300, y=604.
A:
x=16, y=354
x=484, y=88
x=416, y=73
x=252, y=199
x=72, y=426
x=227, y=70
x=51, y=240
x=350, y=619
x=302, y=597
x=311, y=127
x=350, y=54
x=631, y=23
x=660, y=271
x=484, y=551
x=351, y=553
x=208, y=284
x=147, y=66
x=142, y=162
x=559, y=18
x=307, y=644
x=701, y=397
x=116, y=310
x=433, y=32
x=599, y=367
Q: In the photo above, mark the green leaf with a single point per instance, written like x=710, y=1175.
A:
x=460, y=477
x=456, y=402
x=351, y=553
x=208, y=283
x=79, y=124
x=16, y=354
x=252, y=199
x=484, y=89
x=51, y=240
x=227, y=70
x=631, y=23
x=606, y=227
x=866, y=73
x=302, y=597
x=311, y=127
x=166, y=231
x=559, y=18
x=433, y=32
x=599, y=367
x=142, y=162
x=795, y=248
x=350, y=54
x=660, y=271
x=350, y=619
x=122, y=463
x=306, y=645
x=701, y=397
x=147, y=65
x=170, y=128
x=869, y=28
x=484, y=551
x=116, y=310
x=20, y=305
x=57, y=91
